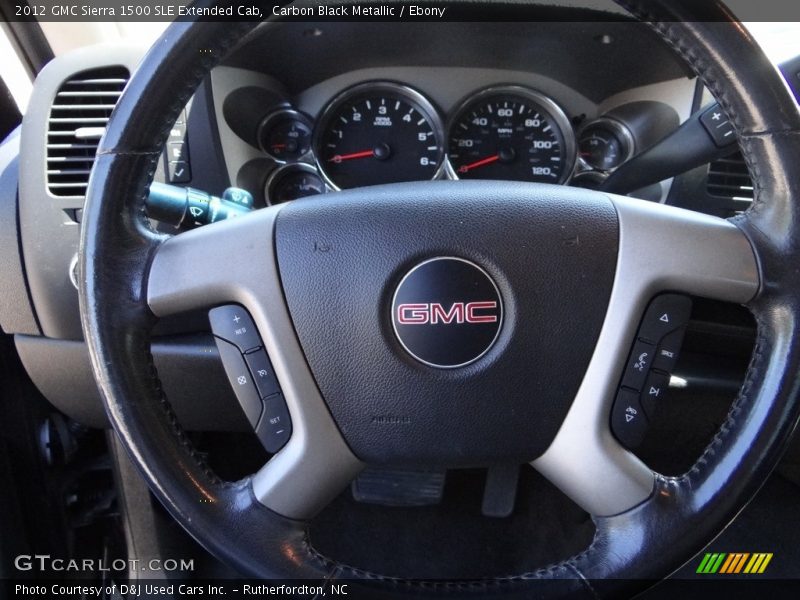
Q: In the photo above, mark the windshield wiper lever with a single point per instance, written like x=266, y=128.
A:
x=180, y=206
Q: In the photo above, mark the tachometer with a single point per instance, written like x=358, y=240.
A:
x=511, y=133
x=379, y=133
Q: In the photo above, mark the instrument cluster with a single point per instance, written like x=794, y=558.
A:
x=385, y=132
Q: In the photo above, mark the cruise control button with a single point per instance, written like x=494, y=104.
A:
x=638, y=365
x=241, y=380
x=628, y=420
x=665, y=314
x=262, y=372
x=668, y=351
x=275, y=427
x=233, y=324
x=655, y=388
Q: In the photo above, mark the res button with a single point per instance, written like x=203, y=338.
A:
x=233, y=324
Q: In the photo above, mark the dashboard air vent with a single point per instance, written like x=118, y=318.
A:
x=77, y=121
x=728, y=178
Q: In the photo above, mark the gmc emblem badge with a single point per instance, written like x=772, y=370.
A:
x=422, y=314
x=447, y=312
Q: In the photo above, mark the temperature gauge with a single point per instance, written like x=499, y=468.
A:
x=605, y=144
x=285, y=135
x=293, y=182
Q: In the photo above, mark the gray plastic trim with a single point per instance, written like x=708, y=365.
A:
x=240, y=266
x=49, y=236
x=16, y=312
x=662, y=248
x=224, y=82
x=189, y=368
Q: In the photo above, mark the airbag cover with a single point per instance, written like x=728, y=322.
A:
x=551, y=252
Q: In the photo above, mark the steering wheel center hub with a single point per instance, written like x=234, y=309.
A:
x=447, y=312
x=435, y=339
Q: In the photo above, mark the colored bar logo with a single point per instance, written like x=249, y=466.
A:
x=734, y=563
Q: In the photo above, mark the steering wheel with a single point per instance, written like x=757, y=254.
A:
x=564, y=277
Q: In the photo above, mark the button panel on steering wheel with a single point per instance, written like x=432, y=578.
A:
x=646, y=376
x=251, y=375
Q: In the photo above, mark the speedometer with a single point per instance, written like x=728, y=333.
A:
x=376, y=133
x=511, y=133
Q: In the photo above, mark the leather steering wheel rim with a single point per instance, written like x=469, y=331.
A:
x=651, y=539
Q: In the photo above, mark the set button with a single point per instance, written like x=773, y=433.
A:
x=275, y=427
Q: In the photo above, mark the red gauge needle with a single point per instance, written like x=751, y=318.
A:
x=479, y=163
x=340, y=157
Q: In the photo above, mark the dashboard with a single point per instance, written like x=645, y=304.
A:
x=359, y=131
x=444, y=107
x=307, y=109
x=387, y=132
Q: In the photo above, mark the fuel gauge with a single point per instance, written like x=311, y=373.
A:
x=605, y=144
x=285, y=135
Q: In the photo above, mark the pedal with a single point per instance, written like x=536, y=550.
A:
x=399, y=487
x=500, y=493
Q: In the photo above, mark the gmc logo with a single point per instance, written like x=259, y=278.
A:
x=434, y=313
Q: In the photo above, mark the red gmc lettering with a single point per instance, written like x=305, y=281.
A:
x=412, y=314
x=456, y=313
x=423, y=314
x=474, y=317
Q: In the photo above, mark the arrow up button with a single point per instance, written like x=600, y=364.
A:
x=665, y=314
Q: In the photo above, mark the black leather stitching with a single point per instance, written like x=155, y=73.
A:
x=684, y=49
x=541, y=573
x=674, y=39
x=585, y=581
x=186, y=92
